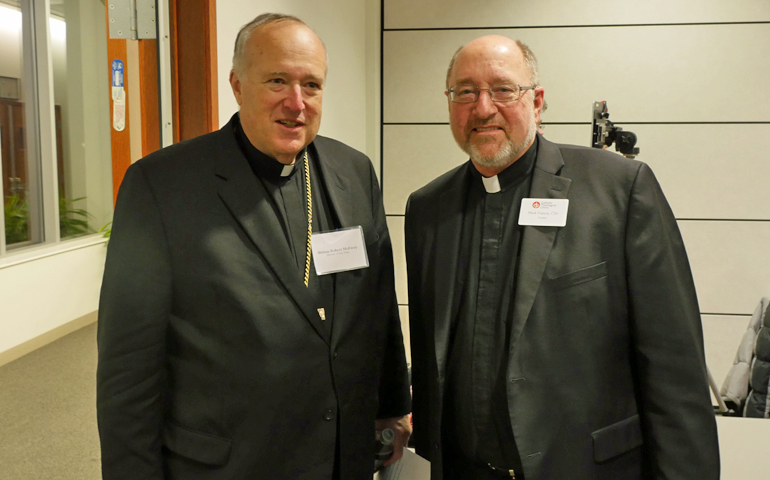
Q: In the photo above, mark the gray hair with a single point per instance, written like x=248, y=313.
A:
x=239, y=60
x=529, y=59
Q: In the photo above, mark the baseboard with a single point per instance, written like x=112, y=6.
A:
x=29, y=346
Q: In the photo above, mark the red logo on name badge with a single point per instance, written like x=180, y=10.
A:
x=536, y=205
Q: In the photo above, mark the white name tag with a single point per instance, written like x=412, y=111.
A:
x=544, y=212
x=339, y=251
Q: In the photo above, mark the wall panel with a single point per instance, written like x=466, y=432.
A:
x=416, y=155
x=742, y=448
x=453, y=14
x=571, y=134
x=707, y=171
x=396, y=228
x=403, y=312
x=730, y=263
x=658, y=73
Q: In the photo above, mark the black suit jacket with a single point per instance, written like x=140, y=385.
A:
x=606, y=373
x=213, y=363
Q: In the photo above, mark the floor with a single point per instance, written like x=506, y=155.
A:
x=48, y=412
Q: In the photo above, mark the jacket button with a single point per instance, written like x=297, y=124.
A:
x=329, y=415
x=334, y=355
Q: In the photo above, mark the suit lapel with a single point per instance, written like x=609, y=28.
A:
x=338, y=192
x=446, y=255
x=536, y=241
x=251, y=206
x=335, y=185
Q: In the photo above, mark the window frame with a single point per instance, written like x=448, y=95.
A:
x=40, y=123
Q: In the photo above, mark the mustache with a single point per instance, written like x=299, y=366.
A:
x=485, y=123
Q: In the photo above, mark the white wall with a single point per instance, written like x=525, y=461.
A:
x=348, y=28
x=46, y=292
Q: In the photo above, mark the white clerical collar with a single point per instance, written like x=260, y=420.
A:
x=287, y=169
x=491, y=184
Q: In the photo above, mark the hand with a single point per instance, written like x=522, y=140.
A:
x=402, y=428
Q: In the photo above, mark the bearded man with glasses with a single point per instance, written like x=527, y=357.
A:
x=554, y=323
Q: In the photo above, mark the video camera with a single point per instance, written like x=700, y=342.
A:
x=605, y=133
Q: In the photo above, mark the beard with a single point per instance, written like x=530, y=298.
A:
x=508, y=152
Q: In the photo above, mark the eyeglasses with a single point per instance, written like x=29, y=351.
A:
x=503, y=93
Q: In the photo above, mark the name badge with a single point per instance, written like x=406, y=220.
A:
x=544, y=212
x=339, y=251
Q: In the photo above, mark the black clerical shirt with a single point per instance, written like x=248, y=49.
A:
x=477, y=422
x=288, y=193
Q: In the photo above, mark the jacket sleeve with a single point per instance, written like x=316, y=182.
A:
x=678, y=425
x=133, y=314
x=420, y=348
x=394, y=397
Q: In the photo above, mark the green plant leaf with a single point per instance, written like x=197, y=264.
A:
x=73, y=221
x=16, y=212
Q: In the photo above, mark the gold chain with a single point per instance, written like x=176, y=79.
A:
x=309, y=217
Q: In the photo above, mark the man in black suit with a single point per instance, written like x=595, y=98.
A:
x=554, y=323
x=225, y=351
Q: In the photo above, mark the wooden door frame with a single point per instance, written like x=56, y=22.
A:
x=194, y=67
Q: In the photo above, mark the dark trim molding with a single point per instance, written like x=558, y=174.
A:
x=614, y=25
